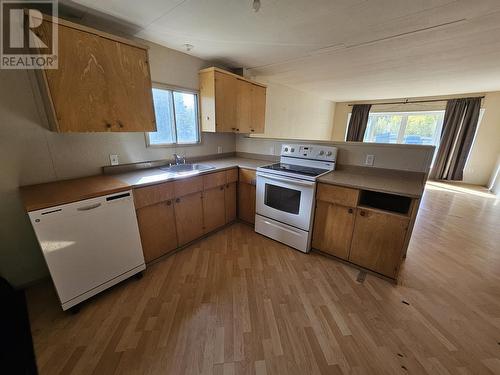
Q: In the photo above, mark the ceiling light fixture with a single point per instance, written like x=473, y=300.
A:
x=256, y=5
x=188, y=47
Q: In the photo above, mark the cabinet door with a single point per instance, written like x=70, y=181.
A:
x=188, y=218
x=378, y=240
x=101, y=84
x=157, y=229
x=246, y=202
x=244, y=107
x=230, y=202
x=214, y=212
x=225, y=102
x=258, y=110
x=333, y=226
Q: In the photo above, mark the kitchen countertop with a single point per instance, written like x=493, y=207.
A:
x=37, y=197
x=145, y=177
x=51, y=194
x=409, y=184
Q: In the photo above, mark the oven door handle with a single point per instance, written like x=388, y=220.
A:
x=287, y=180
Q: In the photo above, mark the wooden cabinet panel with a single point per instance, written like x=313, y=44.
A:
x=258, y=109
x=153, y=194
x=225, y=102
x=378, y=240
x=333, y=227
x=188, y=186
x=214, y=213
x=244, y=106
x=231, y=103
x=214, y=179
x=247, y=176
x=188, y=217
x=101, y=84
x=246, y=202
x=337, y=194
x=232, y=175
x=157, y=229
x=230, y=201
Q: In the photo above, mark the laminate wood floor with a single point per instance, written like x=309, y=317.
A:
x=239, y=303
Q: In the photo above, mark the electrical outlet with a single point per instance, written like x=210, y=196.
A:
x=219, y=149
x=114, y=159
x=370, y=159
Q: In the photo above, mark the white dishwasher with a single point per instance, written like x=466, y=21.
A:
x=89, y=245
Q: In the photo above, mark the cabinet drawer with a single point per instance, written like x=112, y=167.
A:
x=214, y=179
x=232, y=175
x=149, y=195
x=247, y=176
x=188, y=186
x=337, y=194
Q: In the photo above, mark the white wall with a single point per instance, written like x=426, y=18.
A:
x=30, y=154
x=295, y=114
x=486, y=146
x=412, y=158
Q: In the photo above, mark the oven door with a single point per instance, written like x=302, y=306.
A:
x=285, y=199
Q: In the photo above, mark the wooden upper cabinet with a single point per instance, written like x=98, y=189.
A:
x=258, y=109
x=378, y=240
x=231, y=103
x=333, y=227
x=102, y=83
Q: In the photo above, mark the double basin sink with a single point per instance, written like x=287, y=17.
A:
x=187, y=169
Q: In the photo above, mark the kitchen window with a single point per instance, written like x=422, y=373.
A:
x=176, y=114
x=420, y=128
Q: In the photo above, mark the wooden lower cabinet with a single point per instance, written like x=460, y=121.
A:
x=246, y=202
x=189, y=217
x=230, y=201
x=333, y=227
x=214, y=212
x=378, y=240
x=157, y=229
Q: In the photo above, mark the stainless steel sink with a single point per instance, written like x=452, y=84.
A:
x=187, y=168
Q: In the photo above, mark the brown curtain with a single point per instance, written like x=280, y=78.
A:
x=459, y=126
x=358, y=122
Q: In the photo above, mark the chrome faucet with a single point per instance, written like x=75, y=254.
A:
x=179, y=159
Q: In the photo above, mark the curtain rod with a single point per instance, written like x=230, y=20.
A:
x=416, y=101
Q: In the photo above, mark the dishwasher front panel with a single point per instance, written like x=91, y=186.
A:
x=89, y=243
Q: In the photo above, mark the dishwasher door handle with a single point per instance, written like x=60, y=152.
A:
x=90, y=207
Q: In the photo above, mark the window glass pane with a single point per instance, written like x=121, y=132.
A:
x=162, y=100
x=383, y=128
x=186, y=117
x=421, y=128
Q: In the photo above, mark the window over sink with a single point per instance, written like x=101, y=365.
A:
x=176, y=113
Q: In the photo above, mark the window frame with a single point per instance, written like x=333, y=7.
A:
x=172, y=88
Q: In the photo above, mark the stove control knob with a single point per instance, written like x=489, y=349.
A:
x=329, y=153
x=292, y=150
x=286, y=149
x=321, y=153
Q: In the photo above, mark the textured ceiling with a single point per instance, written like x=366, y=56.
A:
x=338, y=49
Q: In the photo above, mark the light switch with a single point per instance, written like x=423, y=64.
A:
x=219, y=149
x=114, y=159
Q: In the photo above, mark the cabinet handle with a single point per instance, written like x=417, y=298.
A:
x=108, y=125
x=237, y=129
x=222, y=188
x=227, y=186
x=349, y=210
x=233, y=128
x=177, y=200
x=362, y=213
x=120, y=124
x=169, y=203
x=252, y=130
